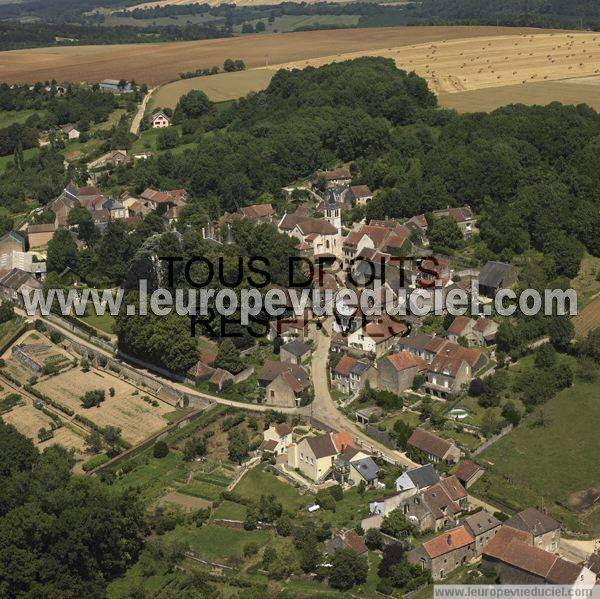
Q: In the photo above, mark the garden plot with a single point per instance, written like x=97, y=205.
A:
x=129, y=409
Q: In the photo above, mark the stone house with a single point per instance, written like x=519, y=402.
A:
x=495, y=276
x=447, y=374
x=284, y=384
x=436, y=448
x=418, y=479
x=463, y=216
x=70, y=132
x=396, y=372
x=480, y=332
x=377, y=337
x=468, y=473
x=16, y=283
x=483, y=527
x=361, y=194
x=544, y=530
x=445, y=552
x=294, y=352
x=350, y=374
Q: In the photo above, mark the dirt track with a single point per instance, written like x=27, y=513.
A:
x=159, y=63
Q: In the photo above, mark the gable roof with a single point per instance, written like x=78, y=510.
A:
x=403, y=360
x=349, y=365
x=14, y=236
x=528, y=558
x=533, y=521
x=338, y=173
x=322, y=445
x=361, y=191
x=367, y=468
x=341, y=440
x=438, y=501
x=465, y=470
x=459, y=325
x=480, y=522
x=563, y=572
x=424, y=476
x=482, y=324
x=498, y=546
x=448, y=541
x=383, y=328
x=295, y=376
x=430, y=443
x=43, y=228
x=16, y=279
x=296, y=348
x=495, y=273
x=453, y=487
x=353, y=541
x=256, y=211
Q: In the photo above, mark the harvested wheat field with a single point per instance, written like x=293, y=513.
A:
x=159, y=63
x=136, y=418
x=542, y=92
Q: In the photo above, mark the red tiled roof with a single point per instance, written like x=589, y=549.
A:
x=448, y=541
x=528, y=558
x=383, y=328
x=403, y=360
x=482, y=324
x=497, y=547
x=459, y=324
x=342, y=440
x=268, y=445
x=438, y=501
x=283, y=429
x=563, y=572
x=353, y=541
x=345, y=365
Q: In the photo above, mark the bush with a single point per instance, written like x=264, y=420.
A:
x=250, y=549
x=337, y=492
x=160, y=449
x=373, y=539
x=94, y=462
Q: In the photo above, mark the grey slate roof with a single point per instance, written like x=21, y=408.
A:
x=480, y=523
x=367, y=468
x=360, y=368
x=494, y=274
x=425, y=476
x=296, y=348
x=533, y=521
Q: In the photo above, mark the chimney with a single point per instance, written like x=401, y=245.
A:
x=449, y=539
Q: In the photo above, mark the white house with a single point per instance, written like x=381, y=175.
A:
x=160, y=120
x=277, y=438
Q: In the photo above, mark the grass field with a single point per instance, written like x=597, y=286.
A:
x=587, y=319
x=547, y=464
x=159, y=63
x=10, y=117
x=102, y=322
x=287, y=23
x=257, y=482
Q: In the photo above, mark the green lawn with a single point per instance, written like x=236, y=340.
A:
x=292, y=22
x=27, y=155
x=103, y=322
x=217, y=542
x=202, y=490
x=548, y=463
x=10, y=117
x=228, y=510
x=257, y=482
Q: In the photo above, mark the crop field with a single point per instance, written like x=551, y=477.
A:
x=162, y=62
x=587, y=319
x=470, y=74
x=135, y=417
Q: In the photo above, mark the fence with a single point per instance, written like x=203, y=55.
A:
x=492, y=440
x=65, y=324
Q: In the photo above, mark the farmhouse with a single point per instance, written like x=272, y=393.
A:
x=463, y=217
x=544, y=530
x=512, y=555
x=338, y=176
x=444, y=553
x=16, y=283
x=277, y=438
x=361, y=194
x=284, y=383
x=345, y=539
x=377, y=337
x=111, y=159
x=70, y=132
x=160, y=120
x=436, y=448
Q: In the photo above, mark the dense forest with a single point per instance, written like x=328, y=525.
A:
x=60, y=535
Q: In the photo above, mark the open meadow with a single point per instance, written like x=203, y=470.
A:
x=553, y=463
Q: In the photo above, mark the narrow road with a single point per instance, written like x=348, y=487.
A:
x=325, y=409
x=139, y=115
